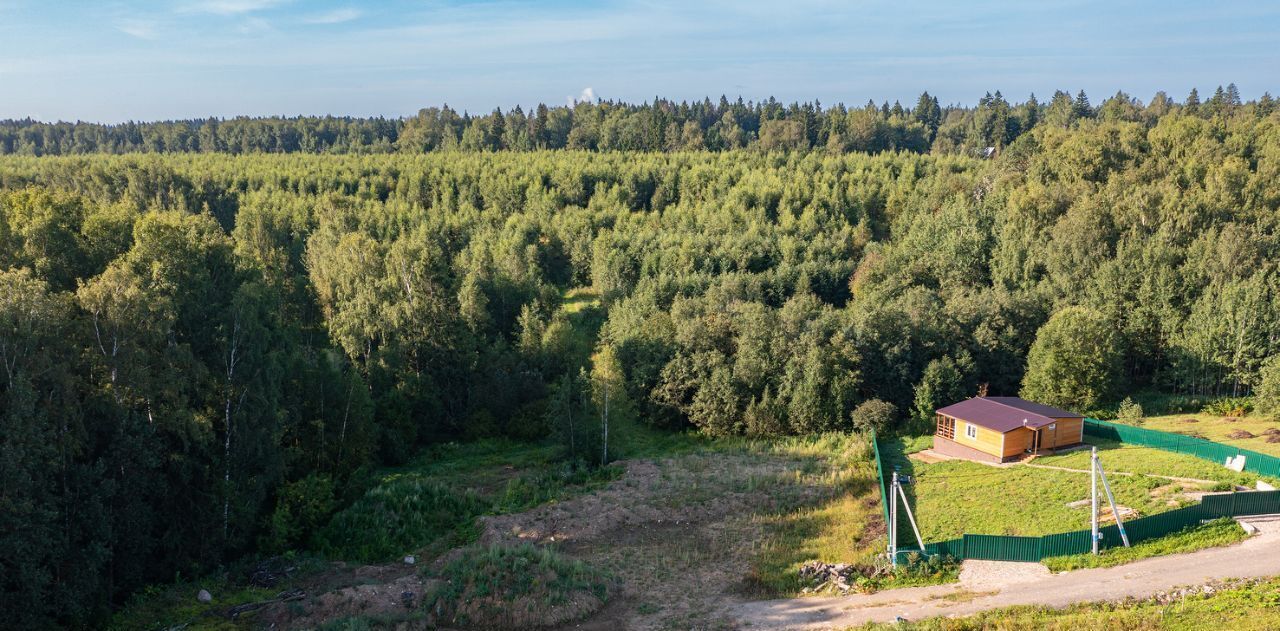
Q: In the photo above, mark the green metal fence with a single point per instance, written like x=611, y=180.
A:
x=884, y=487
x=884, y=474
x=1254, y=462
x=1010, y=548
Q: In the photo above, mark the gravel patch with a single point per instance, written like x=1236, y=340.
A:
x=976, y=574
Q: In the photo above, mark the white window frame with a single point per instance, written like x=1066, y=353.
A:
x=971, y=431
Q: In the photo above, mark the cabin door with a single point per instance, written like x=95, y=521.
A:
x=1035, y=441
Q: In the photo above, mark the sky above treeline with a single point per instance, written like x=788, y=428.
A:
x=111, y=61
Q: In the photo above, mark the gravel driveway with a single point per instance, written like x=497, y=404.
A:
x=999, y=584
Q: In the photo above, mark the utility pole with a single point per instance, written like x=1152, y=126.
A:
x=1115, y=511
x=893, y=520
x=896, y=493
x=1093, y=479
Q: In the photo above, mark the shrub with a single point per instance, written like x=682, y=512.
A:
x=524, y=586
x=764, y=419
x=1229, y=406
x=400, y=515
x=1130, y=412
x=874, y=414
x=526, y=491
x=301, y=509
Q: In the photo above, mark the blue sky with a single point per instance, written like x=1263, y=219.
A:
x=113, y=61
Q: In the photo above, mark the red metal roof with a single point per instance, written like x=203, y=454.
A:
x=1003, y=414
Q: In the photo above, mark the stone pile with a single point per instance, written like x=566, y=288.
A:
x=838, y=576
x=1181, y=593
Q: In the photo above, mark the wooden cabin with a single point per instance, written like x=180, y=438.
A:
x=1000, y=429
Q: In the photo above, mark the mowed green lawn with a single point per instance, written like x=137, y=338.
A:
x=956, y=497
x=1120, y=457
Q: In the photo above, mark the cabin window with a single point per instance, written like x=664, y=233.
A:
x=971, y=431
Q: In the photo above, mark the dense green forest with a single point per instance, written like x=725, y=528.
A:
x=203, y=353
x=662, y=125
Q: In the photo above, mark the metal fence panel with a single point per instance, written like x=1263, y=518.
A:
x=1065, y=543
x=884, y=493
x=950, y=547
x=1256, y=503
x=1002, y=548
x=1159, y=525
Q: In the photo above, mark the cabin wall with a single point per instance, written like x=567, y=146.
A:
x=1017, y=441
x=964, y=451
x=1070, y=431
x=985, y=440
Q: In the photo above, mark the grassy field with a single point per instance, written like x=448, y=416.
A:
x=1245, y=606
x=846, y=527
x=433, y=502
x=1121, y=458
x=1220, y=429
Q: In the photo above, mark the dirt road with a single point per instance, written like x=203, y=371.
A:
x=989, y=585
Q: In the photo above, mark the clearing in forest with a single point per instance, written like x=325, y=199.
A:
x=660, y=540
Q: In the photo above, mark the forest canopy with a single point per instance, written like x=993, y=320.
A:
x=196, y=347
x=925, y=126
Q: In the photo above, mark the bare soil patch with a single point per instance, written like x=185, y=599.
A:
x=691, y=489
x=677, y=534
x=383, y=591
x=928, y=456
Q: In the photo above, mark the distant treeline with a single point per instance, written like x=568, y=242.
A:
x=662, y=125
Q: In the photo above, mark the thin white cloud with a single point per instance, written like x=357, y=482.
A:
x=231, y=7
x=587, y=95
x=252, y=25
x=141, y=29
x=336, y=16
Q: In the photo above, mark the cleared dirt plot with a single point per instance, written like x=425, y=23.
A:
x=660, y=540
x=684, y=534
